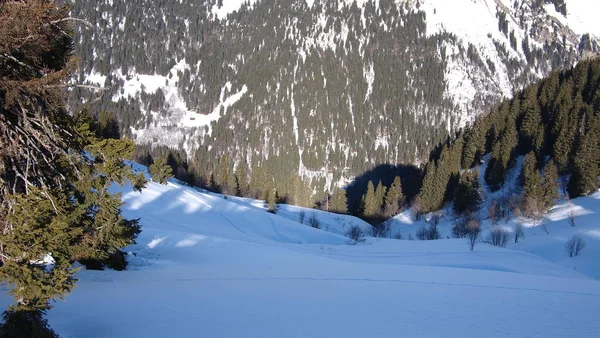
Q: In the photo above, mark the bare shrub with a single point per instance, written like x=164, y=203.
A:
x=435, y=218
x=519, y=234
x=379, y=231
x=574, y=246
x=494, y=212
x=410, y=237
x=354, y=233
x=498, y=236
x=474, y=228
x=301, y=217
x=314, y=222
x=429, y=233
x=571, y=218
x=417, y=209
x=460, y=228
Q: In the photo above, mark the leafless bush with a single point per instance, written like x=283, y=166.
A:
x=354, y=233
x=461, y=226
x=398, y=235
x=410, y=237
x=417, y=208
x=429, y=233
x=474, y=228
x=378, y=231
x=498, y=236
x=314, y=222
x=435, y=218
x=571, y=218
x=494, y=212
x=301, y=216
x=574, y=246
x=519, y=234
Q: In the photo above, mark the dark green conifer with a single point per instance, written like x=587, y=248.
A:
x=160, y=171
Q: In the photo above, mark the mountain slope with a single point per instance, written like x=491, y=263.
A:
x=295, y=84
x=207, y=266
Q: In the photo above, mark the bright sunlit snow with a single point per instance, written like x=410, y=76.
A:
x=209, y=266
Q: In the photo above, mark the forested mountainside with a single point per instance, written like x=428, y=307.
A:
x=554, y=124
x=320, y=89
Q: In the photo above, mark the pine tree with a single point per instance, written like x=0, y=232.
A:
x=549, y=185
x=585, y=161
x=372, y=207
x=224, y=176
x=242, y=187
x=530, y=178
x=468, y=193
x=380, y=193
x=339, y=201
x=271, y=199
x=394, y=199
x=55, y=204
x=160, y=171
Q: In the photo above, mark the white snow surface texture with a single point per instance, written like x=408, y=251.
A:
x=206, y=266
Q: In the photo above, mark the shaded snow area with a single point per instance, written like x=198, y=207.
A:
x=209, y=266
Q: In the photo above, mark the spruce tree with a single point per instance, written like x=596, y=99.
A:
x=549, y=185
x=530, y=178
x=372, y=207
x=339, y=201
x=380, y=193
x=394, y=199
x=241, y=179
x=160, y=171
x=468, y=193
x=585, y=161
x=55, y=205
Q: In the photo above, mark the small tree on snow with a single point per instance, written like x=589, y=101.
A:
x=574, y=246
x=519, y=234
x=571, y=218
x=473, y=230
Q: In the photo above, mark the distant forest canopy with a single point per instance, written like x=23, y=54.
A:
x=333, y=91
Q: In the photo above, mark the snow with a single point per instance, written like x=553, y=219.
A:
x=582, y=16
x=229, y=6
x=215, y=266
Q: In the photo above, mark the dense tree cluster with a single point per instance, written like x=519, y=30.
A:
x=554, y=124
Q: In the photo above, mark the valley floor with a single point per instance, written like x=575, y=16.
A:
x=206, y=266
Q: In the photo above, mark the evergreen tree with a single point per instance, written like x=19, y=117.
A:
x=339, y=201
x=224, y=177
x=54, y=171
x=372, y=207
x=242, y=187
x=549, y=185
x=468, y=193
x=160, y=171
x=394, y=199
x=380, y=193
x=586, y=162
x=271, y=199
x=530, y=178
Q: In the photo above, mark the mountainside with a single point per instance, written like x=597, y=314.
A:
x=208, y=266
x=321, y=89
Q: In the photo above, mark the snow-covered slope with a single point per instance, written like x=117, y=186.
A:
x=206, y=266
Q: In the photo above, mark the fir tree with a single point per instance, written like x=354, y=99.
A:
x=160, y=171
x=549, y=185
x=339, y=201
x=242, y=187
x=530, y=178
x=54, y=198
x=468, y=193
x=372, y=206
x=394, y=199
